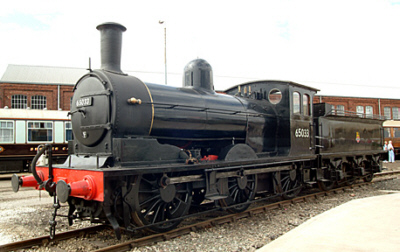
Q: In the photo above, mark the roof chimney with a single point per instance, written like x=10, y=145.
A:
x=111, y=44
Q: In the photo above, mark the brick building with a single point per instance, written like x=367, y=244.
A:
x=38, y=87
x=389, y=108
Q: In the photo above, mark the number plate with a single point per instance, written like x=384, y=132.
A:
x=84, y=102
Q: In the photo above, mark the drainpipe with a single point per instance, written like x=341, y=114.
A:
x=58, y=97
x=379, y=107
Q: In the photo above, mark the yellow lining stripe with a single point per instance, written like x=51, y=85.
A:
x=152, y=108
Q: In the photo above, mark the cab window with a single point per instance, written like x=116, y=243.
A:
x=296, y=103
x=306, y=105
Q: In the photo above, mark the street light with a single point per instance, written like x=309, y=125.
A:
x=165, y=49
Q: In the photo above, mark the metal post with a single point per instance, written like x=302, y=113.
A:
x=165, y=50
x=165, y=53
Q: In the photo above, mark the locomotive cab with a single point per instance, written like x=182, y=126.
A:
x=282, y=122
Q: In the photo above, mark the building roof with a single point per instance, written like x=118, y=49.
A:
x=23, y=74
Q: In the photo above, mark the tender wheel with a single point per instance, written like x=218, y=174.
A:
x=327, y=183
x=155, y=203
x=348, y=173
x=290, y=184
x=368, y=170
x=239, y=190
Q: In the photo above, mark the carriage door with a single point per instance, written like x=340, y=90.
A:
x=301, y=129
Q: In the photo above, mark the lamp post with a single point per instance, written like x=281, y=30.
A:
x=165, y=50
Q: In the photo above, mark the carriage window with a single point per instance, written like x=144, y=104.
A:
x=40, y=131
x=6, y=131
x=396, y=132
x=306, y=104
x=68, y=132
x=386, y=132
x=296, y=103
x=19, y=101
x=275, y=96
x=39, y=102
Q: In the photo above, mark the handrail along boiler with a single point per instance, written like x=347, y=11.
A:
x=144, y=154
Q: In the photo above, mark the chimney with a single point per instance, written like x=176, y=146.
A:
x=111, y=44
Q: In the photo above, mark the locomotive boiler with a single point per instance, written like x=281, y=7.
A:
x=144, y=154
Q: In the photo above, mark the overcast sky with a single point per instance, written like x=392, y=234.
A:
x=349, y=47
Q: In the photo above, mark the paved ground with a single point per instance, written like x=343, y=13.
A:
x=370, y=224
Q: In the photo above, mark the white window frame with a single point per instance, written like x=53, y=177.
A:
x=340, y=110
x=38, y=102
x=386, y=113
x=360, y=111
x=19, y=101
x=395, y=113
x=7, y=128
x=369, y=111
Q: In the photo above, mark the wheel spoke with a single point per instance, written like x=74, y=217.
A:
x=156, y=214
x=152, y=191
x=149, y=210
x=149, y=200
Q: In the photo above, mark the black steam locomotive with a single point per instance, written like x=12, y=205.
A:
x=144, y=154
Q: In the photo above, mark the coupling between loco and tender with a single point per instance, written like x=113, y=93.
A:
x=144, y=155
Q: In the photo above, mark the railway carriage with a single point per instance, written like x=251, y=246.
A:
x=22, y=130
x=144, y=154
x=392, y=133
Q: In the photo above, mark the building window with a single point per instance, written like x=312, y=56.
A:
x=386, y=113
x=360, y=111
x=6, y=131
x=39, y=102
x=68, y=132
x=306, y=104
x=340, y=110
x=395, y=113
x=40, y=131
x=369, y=111
x=19, y=101
x=296, y=103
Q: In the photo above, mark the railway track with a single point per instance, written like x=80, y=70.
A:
x=187, y=229
x=45, y=240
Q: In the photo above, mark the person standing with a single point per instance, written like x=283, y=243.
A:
x=385, y=149
x=391, y=152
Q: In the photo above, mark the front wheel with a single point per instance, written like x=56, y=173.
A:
x=155, y=204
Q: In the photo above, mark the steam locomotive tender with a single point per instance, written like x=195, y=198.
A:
x=144, y=154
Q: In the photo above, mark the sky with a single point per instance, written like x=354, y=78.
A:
x=342, y=47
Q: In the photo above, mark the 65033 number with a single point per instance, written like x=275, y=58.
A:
x=299, y=133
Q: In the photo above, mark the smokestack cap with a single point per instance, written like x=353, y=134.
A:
x=111, y=25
